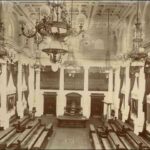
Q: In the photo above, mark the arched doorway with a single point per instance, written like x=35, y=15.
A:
x=73, y=104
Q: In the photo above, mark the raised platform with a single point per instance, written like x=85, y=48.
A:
x=72, y=121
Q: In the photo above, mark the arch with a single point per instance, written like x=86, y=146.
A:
x=146, y=22
x=73, y=94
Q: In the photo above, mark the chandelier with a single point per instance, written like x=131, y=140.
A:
x=54, y=22
x=3, y=51
x=107, y=55
x=138, y=51
x=56, y=51
x=71, y=65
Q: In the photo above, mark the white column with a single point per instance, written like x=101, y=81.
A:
x=4, y=114
x=109, y=101
x=127, y=90
x=139, y=121
x=31, y=88
x=38, y=96
x=20, y=108
x=61, y=99
x=117, y=88
x=86, y=99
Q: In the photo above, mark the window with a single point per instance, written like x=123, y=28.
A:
x=97, y=81
x=49, y=79
x=75, y=82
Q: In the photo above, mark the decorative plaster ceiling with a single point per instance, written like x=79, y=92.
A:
x=94, y=15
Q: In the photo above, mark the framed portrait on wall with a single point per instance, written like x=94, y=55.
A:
x=10, y=102
x=135, y=107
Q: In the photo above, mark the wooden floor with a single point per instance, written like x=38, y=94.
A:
x=67, y=138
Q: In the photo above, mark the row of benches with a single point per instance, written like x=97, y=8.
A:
x=31, y=135
x=116, y=135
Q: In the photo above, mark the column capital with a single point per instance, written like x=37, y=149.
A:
x=86, y=67
x=38, y=70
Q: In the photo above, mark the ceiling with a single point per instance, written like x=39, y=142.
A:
x=94, y=16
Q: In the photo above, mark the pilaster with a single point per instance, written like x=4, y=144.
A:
x=20, y=108
x=38, y=96
x=31, y=88
x=86, y=100
x=4, y=114
x=61, y=99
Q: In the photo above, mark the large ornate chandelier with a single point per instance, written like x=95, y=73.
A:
x=138, y=51
x=55, y=25
x=3, y=51
x=54, y=22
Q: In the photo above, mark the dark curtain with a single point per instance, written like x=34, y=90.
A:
x=14, y=77
x=147, y=91
x=121, y=100
x=8, y=72
x=26, y=76
x=132, y=80
x=132, y=71
x=14, y=73
x=122, y=78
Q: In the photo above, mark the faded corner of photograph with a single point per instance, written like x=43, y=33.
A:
x=74, y=74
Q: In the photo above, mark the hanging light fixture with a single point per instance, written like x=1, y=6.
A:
x=56, y=51
x=107, y=55
x=3, y=51
x=138, y=51
x=54, y=23
x=71, y=65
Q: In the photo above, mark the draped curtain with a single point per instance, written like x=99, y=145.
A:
x=26, y=76
x=147, y=91
x=8, y=72
x=132, y=71
x=122, y=78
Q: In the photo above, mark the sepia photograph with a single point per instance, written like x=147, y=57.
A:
x=74, y=74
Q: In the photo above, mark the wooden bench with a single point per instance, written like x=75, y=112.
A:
x=25, y=134
x=5, y=135
x=101, y=132
x=31, y=124
x=49, y=128
x=91, y=130
x=127, y=143
x=12, y=139
x=28, y=137
x=113, y=136
x=5, y=132
x=108, y=127
x=122, y=125
x=107, y=145
x=145, y=141
x=40, y=141
x=95, y=141
x=20, y=120
x=13, y=119
x=115, y=129
x=34, y=138
x=137, y=140
x=118, y=129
